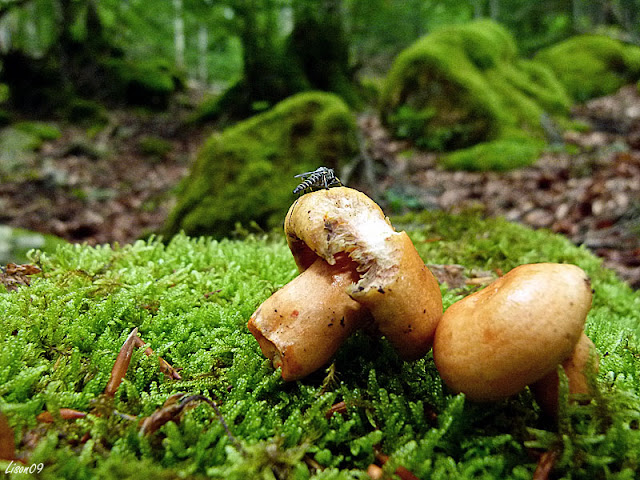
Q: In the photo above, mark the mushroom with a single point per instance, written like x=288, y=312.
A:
x=301, y=326
x=583, y=360
x=379, y=271
x=514, y=332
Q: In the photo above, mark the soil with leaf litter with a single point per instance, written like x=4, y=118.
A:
x=106, y=189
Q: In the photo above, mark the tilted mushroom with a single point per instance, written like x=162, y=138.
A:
x=378, y=270
x=515, y=332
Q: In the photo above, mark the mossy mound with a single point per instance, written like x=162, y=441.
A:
x=592, y=65
x=148, y=83
x=15, y=243
x=499, y=155
x=464, y=85
x=41, y=130
x=191, y=300
x=246, y=173
x=154, y=147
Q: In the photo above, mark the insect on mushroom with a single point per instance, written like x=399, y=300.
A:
x=321, y=177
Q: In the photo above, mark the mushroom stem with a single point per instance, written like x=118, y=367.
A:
x=409, y=325
x=304, y=323
x=584, y=359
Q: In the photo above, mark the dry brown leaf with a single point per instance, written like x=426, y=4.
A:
x=165, y=367
x=14, y=275
x=65, y=414
x=121, y=364
x=7, y=440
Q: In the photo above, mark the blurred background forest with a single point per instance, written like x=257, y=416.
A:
x=124, y=118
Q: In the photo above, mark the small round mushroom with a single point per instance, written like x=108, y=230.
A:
x=387, y=278
x=514, y=332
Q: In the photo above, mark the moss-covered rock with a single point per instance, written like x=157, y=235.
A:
x=85, y=112
x=464, y=85
x=15, y=243
x=592, y=65
x=500, y=155
x=147, y=83
x=41, y=130
x=154, y=147
x=191, y=300
x=246, y=173
x=19, y=141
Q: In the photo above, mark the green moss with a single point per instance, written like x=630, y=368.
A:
x=85, y=112
x=154, y=146
x=16, y=151
x=148, y=83
x=464, y=85
x=4, y=91
x=61, y=335
x=497, y=155
x=245, y=174
x=42, y=130
x=592, y=65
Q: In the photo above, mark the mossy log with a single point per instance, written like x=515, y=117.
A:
x=245, y=174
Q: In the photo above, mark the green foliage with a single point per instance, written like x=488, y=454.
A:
x=41, y=130
x=16, y=150
x=246, y=173
x=85, y=112
x=592, y=65
x=144, y=82
x=4, y=91
x=463, y=85
x=15, y=243
x=499, y=155
x=61, y=335
x=154, y=146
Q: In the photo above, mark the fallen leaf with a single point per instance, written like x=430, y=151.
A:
x=165, y=367
x=7, y=440
x=65, y=414
x=14, y=275
x=452, y=275
x=121, y=365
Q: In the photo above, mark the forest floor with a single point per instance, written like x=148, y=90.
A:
x=110, y=189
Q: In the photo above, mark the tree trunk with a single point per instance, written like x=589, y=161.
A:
x=203, y=44
x=478, y=8
x=178, y=33
x=319, y=43
x=494, y=9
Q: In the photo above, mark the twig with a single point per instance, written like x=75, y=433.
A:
x=165, y=367
x=214, y=405
x=545, y=465
x=401, y=472
x=339, y=407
